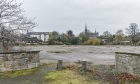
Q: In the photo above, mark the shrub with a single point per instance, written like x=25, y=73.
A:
x=95, y=41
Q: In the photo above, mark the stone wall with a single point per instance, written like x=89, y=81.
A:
x=10, y=61
x=128, y=63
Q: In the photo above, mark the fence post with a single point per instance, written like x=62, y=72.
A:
x=59, y=65
x=84, y=66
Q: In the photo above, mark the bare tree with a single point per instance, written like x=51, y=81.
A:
x=132, y=31
x=11, y=20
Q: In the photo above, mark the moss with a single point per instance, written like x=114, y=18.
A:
x=14, y=74
x=68, y=77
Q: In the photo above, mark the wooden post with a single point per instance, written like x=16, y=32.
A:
x=84, y=66
x=59, y=65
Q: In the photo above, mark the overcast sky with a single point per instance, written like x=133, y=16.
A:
x=63, y=15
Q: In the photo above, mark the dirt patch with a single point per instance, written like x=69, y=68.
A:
x=59, y=52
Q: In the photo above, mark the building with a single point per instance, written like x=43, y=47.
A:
x=31, y=40
x=90, y=34
x=43, y=36
x=35, y=37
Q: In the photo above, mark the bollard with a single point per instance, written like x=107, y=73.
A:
x=59, y=65
x=84, y=66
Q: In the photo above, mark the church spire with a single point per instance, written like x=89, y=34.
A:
x=86, y=30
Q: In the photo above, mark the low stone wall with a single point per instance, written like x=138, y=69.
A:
x=128, y=63
x=10, y=61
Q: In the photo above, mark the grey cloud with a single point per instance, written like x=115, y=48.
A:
x=61, y=15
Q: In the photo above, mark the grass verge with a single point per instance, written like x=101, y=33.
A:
x=68, y=77
x=14, y=74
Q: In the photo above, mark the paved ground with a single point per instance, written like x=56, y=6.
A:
x=95, y=54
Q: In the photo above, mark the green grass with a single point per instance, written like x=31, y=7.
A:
x=14, y=74
x=68, y=77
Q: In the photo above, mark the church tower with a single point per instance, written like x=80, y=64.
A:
x=86, y=30
x=96, y=33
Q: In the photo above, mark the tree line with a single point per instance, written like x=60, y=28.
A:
x=68, y=38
